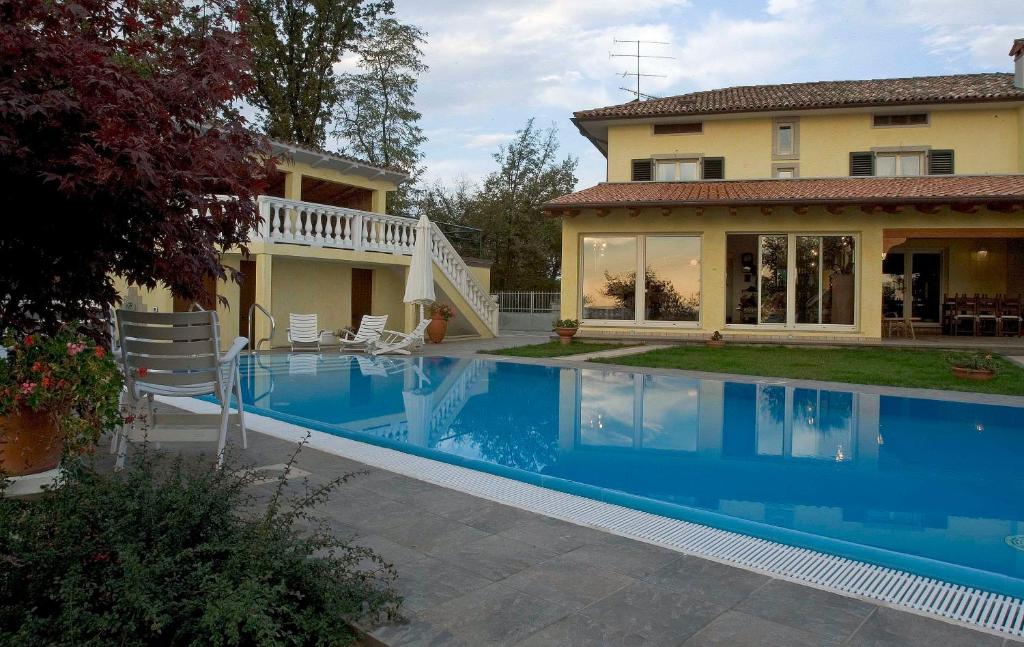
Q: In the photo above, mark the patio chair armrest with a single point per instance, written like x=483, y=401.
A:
x=236, y=347
x=388, y=336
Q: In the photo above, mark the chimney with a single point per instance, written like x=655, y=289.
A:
x=1017, y=52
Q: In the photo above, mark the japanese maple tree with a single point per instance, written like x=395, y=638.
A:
x=119, y=129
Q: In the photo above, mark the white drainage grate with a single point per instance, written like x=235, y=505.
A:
x=960, y=604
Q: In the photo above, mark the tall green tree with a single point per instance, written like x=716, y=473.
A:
x=295, y=46
x=525, y=245
x=377, y=119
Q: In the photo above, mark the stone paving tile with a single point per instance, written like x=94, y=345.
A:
x=493, y=556
x=832, y=617
x=580, y=631
x=655, y=612
x=495, y=615
x=890, y=627
x=429, y=533
x=428, y=582
x=735, y=628
x=555, y=535
x=626, y=556
x=371, y=516
x=568, y=582
x=489, y=517
x=389, y=550
x=710, y=580
x=414, y=632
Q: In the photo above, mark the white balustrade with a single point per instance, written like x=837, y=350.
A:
x=306, y=223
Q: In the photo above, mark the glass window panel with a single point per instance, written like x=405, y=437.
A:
x=784, y=173
x=688, y=170
x=910, y=165
x=666, y=171
x=741, y=279
x=672, y=281
x=925, y=277
x=671, y=413
x=609, y=277
x=885, y=165
x=785, y=140
x=771, y=420
x=808, y=279
x=774, y=257
x=838, y=279
x=893, y=288
x=606, y=409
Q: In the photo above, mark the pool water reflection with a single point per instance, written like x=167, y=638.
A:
x=930, y=486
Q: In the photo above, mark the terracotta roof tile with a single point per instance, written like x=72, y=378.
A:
x=867, y=190
x=958, y=88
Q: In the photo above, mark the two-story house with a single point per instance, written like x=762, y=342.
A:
x=326, y=246
x=800, y=210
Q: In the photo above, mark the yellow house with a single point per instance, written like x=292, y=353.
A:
x=829, y=209
x=326, y=246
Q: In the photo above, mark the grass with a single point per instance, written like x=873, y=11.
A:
x=927, y=369
x=553, y=349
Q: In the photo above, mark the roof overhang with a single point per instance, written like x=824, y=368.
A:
x=322, y=159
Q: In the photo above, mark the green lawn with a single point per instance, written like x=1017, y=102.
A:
x=888, y=367
x=553, y=349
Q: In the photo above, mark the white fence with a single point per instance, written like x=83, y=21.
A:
x=528, y=311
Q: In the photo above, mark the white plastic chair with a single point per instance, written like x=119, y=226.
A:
x=392, y=341
x=370, y=329
x=304, y=331
x=177, y=354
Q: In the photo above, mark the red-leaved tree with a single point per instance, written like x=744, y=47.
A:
x=118, y=130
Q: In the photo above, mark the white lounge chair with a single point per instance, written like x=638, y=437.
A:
x=392, y=341
x=370, y=329
x=176, y=354
x=304, y=332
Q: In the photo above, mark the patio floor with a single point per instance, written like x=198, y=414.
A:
x=475, y=572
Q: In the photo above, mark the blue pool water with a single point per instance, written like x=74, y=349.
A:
x=930, y=486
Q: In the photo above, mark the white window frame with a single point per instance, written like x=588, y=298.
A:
x=922, y=156
x=696, y=160
x=793, y=123
x=790, y=323
x=640, y=302
x=785, y=166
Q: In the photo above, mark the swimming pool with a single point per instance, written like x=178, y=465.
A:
x=929, y=486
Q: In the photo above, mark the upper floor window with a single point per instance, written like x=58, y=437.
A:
x=785, y=171
x=676, y=170
x=785, y=138
x=902, y=163
x=691, y=128
x=911, y=119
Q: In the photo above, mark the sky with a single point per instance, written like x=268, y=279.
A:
x=494, y=64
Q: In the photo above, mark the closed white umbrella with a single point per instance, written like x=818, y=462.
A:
x=419, y=287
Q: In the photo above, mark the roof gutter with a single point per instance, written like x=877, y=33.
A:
x=888, y=200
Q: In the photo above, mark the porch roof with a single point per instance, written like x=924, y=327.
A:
x=1001, y=192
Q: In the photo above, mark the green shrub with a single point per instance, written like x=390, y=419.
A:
x=567, y=323
x=975, y=361
x=170, y=552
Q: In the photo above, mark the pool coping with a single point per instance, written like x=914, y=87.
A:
x=992, y=613
x=968, y=397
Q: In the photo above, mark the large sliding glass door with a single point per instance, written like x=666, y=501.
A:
x=795, y=280
x=669, y=292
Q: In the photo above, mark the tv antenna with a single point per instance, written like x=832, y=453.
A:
x=638, y=56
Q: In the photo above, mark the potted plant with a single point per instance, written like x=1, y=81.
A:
x=973, y=366
x=567, y=329
x=58, y=394
x=440, y=314
x=716, y=341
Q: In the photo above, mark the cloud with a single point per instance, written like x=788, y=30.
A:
x=489, y=141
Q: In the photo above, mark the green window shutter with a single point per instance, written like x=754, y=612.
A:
x=862, y=163
x=643, y=170
x=940, y=163
x=714, y=168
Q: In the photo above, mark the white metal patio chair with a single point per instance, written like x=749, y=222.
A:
x=176, y=355
x=370, y=329
x=392, y=341
x=304, y=332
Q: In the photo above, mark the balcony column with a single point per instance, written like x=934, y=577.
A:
x=264, y=266
x=293, y=185
x=379, y=201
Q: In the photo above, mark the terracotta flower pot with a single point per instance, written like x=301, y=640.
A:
x=976, y=374
x=436, y=330
x=29, y=443
x=565, y=335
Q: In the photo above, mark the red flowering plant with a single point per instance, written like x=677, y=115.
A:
x=66, y=376
x=441, y=311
